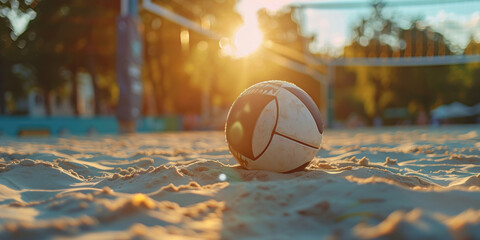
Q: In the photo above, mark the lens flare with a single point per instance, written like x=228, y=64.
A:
x=247, y=40
x=222, y=177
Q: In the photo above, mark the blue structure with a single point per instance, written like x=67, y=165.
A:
x=57, y=126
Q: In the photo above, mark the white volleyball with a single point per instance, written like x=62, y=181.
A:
x=275, y=126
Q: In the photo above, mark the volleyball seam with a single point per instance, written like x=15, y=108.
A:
x=273, y=131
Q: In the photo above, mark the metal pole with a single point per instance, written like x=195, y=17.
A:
x=129, y=67
x=330, y=101
x=133, y=8
x=124, y=8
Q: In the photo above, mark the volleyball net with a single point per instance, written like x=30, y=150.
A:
x=386, y=33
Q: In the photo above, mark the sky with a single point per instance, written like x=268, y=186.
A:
x=457, y=20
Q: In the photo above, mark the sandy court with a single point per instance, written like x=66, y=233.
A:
x=408, y=183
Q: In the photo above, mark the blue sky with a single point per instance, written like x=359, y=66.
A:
x=457, y=20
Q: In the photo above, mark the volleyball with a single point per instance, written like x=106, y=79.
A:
x=275, y=126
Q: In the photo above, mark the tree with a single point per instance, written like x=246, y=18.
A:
x=375, y=36
x=71, y=37
x=13, y=43
x=421, y=88
x=418, y=88
x=470, y=74
x=182, y=65
x=282, y=28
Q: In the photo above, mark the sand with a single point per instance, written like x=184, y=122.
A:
x=403, y=183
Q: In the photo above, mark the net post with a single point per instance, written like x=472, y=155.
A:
x=330, y=98
x=129, y=67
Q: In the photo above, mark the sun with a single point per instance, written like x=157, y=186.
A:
x=247, y=40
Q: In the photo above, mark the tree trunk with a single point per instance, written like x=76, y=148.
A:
x=377, y=95
x=48, y=105
x=96, y=93
x=160, y=84
x=92, y=69
x=146, y=103
x=3, y=104
x=74, y=99
x=157, y=91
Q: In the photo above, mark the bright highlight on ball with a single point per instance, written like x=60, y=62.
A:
x=274, y=126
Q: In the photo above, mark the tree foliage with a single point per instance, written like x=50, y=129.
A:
x=180, y=75
x=418, y=88
x=63, y=39
x=14, y=80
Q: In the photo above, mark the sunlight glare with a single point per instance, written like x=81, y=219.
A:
x=247, y=40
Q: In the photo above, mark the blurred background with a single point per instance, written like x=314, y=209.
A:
x=87, y=67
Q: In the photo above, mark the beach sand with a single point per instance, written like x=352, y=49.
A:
x=391, y=183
